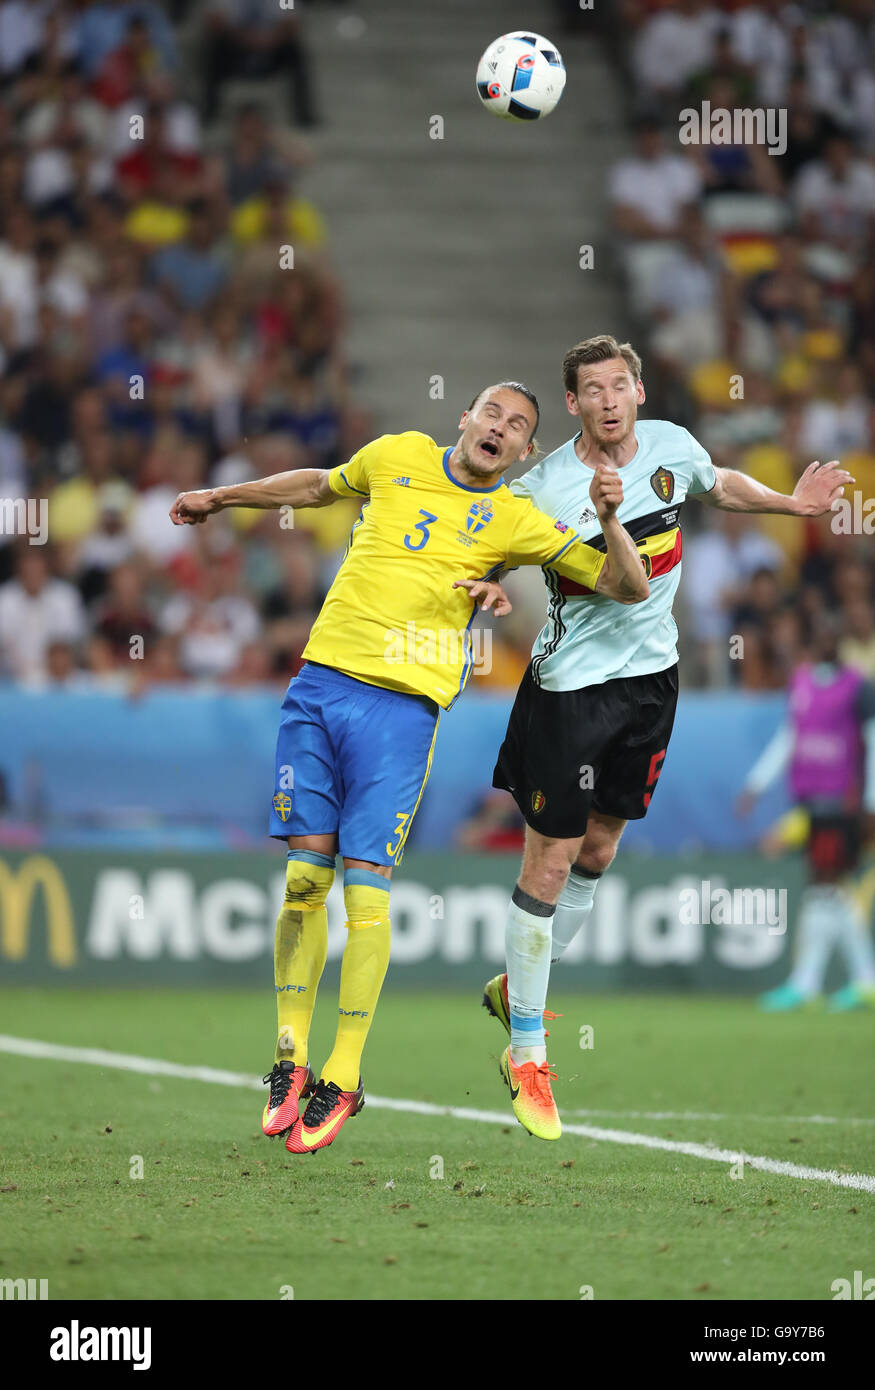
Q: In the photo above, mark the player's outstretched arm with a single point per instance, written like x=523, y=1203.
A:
x=815, y=492
x=768, y=767
x=301, y=487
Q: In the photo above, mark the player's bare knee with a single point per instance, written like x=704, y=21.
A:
x=599, y=846
x=545, y=866
x=594, y=859
x=545, y=878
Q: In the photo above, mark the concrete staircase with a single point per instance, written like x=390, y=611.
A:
x=459, y=256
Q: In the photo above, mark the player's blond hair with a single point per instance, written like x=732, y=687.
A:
x=598, y=349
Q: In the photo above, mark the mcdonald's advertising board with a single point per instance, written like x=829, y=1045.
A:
x=201, y=919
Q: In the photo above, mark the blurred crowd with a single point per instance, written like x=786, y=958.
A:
x=169, y=319
x=751, y=279
x=155, y=337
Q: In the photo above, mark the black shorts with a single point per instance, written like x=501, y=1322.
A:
x=567, y=752
x=835, y=843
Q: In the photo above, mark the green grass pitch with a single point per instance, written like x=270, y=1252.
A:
x=223, y=1213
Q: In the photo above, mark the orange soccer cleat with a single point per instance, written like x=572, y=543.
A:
x=531, y=1096
x=325, y=1116
x=288, y=1084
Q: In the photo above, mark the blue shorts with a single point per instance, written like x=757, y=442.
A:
x=352, y=760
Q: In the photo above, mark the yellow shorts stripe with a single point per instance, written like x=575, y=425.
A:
x=421, y=790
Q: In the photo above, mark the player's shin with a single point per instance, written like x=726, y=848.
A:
x=300, y=948
x=362, y=971
x=573, y=908
x=817, y=933
x=854, y=940
x=527, y=946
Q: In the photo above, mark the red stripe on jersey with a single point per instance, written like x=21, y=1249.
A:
x=570, y=586
x=659, y=564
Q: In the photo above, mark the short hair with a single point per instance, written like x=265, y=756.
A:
x=599, y=349
x=521, y=388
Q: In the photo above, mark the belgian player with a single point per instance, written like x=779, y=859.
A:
x=358, y=725
x=592, y=719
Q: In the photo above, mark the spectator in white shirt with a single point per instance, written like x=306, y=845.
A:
x=838, y=425
x=835, y=197
x=763, y=40
x=652, y=189
x=673, y=45
x=109, y=545
x=35, y=610
x=174, y=467
x=214, y=624
x=691, y=276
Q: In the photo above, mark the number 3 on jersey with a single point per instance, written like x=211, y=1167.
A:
x=422, y=526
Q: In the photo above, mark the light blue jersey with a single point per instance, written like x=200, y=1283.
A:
x=589, y=639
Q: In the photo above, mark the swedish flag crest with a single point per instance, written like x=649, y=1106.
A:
x=479, y=514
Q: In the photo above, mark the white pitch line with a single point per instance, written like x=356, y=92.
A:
x=712, y=1115
x=153, y=1066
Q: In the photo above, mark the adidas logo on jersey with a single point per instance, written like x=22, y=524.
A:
x=402, y=482
x=586, y=515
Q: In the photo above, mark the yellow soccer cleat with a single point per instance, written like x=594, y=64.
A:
x=531, y=1096
x=495, y=1002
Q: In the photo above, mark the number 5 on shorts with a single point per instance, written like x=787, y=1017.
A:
x=653, y=775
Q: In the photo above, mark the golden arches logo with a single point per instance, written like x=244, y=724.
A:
x=18, y=886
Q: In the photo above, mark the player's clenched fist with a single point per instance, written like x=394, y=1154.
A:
x=606, y=491
x=191, y=508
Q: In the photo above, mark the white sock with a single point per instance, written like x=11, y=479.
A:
x=817, y=932
x=854, y=940
x=527, y=947
x=573, y=908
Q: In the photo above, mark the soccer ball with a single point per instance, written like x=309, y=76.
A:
x=520, y=77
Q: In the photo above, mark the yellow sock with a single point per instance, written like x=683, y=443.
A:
x=362, y=972
x=300, y=947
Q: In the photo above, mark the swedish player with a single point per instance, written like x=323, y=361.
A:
x=592, y=719
x=358, y=726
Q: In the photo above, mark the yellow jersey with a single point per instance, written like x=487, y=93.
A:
x=392, y=617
